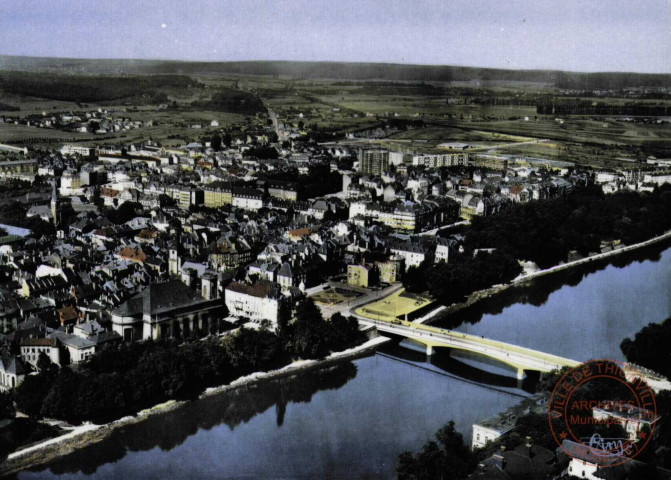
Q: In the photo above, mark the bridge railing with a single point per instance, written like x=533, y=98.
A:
x=500, y=347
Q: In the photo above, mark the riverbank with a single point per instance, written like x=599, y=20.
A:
x=81, y=436
x=442, y=312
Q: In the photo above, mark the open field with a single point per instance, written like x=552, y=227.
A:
x=494, y=113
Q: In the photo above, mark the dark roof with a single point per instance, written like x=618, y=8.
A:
x=159, y=297
x=259, y=290
x=11, y=364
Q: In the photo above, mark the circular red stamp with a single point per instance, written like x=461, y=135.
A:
x=599, y=416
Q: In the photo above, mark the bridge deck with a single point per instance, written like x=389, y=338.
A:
x=519, y=357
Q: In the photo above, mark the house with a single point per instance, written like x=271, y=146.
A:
x=79, y=349
x=31, y=348
x=68, y=315
x=413, y=254
x=491, y=428
x=110, y=196
x=390, y=271
x=162, y=310
x=12, y=371
x=286, y=277
x=257, y=302
x=132, y=254
x=146, y=236
x=229, y=253
x=526, y=461
x=442, y=250
x=96, y=333
x=43, y=285
x=247, y=198
x=588, y=463
x=363, y=275
x=632, y=419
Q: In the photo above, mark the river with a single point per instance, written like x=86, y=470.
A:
x=353, y=419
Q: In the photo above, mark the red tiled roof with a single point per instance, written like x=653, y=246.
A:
x=108, y=192
x=134, y=254
x=299, y=232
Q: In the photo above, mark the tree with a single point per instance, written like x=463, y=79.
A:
x=307, y=332
x=45, y=365
x=649, y=348
x=216, y=142
x=414, y=279
x=227, y=139
x=446, y=457
x=6, y=405
x=32, y=391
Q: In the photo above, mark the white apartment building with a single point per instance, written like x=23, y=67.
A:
x=255, y=302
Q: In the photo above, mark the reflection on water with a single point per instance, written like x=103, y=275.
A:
x=466, y=366
x=352, y=420
x=579, y=314
x=382, y=406
x=538, y=293
x=230, y=408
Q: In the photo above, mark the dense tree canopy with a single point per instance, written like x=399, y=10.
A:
x=90, y=88
x=651, y=347
x=546, y=231
x=124, y=380
x=234, y=101
x=451, y=282
x=446, y=457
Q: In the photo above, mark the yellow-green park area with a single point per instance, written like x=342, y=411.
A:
x=400, y=304
x=334, y=296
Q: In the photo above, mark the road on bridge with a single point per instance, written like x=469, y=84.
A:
x=519, y=357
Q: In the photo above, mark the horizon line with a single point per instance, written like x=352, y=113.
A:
x=359, y=62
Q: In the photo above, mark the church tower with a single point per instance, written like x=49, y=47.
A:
x=55, y=207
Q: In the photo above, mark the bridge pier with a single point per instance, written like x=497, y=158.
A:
x=520, y=373
x=429, y=350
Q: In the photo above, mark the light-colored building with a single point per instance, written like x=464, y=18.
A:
x=391, y=270
x=361, y=275
x=442, y=250
x=412, y=254
x=256, y=302
x=32, y=347
x=373, y=161
x=247, y=198
x=12, y=371
x=76, y=149
x=71, y=183
x=215, y=197
x=441, y=159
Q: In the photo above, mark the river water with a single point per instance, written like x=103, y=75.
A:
x=353, y=419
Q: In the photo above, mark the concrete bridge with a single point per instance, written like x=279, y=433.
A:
x=519, y=358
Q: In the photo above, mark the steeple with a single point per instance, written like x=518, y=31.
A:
x=55, y=211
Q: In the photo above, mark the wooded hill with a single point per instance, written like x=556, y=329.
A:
x=341, y=71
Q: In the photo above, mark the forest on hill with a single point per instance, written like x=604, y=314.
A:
x=343, y=71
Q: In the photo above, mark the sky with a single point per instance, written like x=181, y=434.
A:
x=576, y=35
